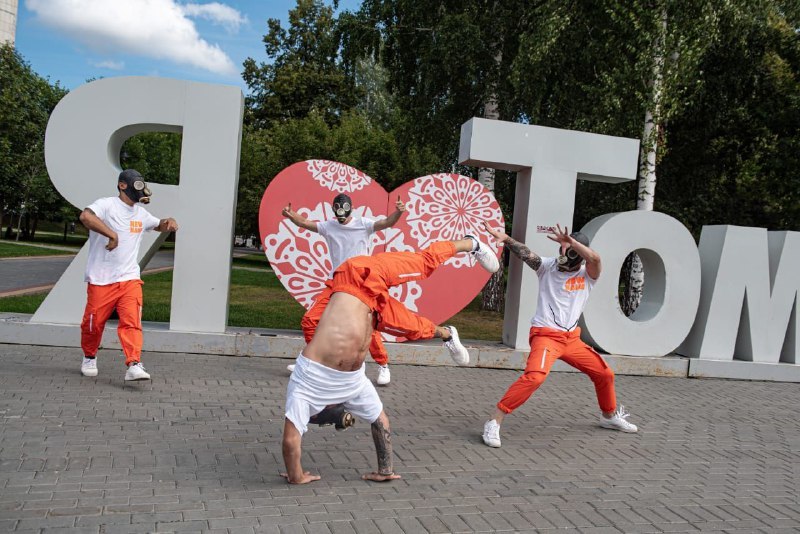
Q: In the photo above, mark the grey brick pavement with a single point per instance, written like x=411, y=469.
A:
x=198, y=449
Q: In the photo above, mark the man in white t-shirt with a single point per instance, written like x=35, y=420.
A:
x=564, y=286
x=116, y=225
x=347, y=237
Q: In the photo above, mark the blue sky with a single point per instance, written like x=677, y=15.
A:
x=71, y=41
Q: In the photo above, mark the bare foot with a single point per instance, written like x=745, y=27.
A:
x=307, y=477
x=377, y=477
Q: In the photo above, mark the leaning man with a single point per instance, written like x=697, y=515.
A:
x=116, y=225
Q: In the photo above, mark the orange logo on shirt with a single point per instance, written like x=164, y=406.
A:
x=576, y=283
x=136, y=227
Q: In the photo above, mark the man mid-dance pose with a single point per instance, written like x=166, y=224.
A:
x=564, y=286
x=330, y=370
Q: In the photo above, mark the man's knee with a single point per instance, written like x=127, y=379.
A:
x=604, y=376
x=533, y=379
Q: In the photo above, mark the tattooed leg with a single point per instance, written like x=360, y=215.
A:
x=382, y=436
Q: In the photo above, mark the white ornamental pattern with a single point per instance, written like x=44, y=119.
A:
x=300, y=257
x=336, y=176
x=446, y=207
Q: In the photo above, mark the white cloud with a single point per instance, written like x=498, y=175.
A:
x=216, y=13
x=158, y=29
x=109, y=64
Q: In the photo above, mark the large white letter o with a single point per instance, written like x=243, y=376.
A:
x=672, y=284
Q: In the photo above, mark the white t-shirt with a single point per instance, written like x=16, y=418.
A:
x=346, y=241
x=562, y=296
x=129, y=222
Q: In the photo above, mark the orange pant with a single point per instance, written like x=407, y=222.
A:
x=126, y=297
x=369, y=278
x=311, y=320
x=549, y=345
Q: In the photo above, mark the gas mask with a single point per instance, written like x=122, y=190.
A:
x=137, y=189
x=570, y=259
x=342, y=207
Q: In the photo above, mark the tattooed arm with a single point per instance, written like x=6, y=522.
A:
x=519, y=249
x=382, y=437
x=524, y=253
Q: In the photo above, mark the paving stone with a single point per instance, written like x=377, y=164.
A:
x=198, y=449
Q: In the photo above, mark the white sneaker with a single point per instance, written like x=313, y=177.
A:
x=618, y=421
x=491, y=433
x=290, y=367
x=485, y=256
x=89, y=366
x=384, y=376
x=137, y=371
x=457, y=350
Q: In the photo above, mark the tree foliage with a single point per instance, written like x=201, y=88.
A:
x=26, y=101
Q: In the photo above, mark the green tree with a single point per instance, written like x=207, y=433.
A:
x=157, y=155
x=305, y=71
x=26, y=101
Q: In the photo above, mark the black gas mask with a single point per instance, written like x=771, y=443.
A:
x=342, y=207
x=570, y=259
x=136, y=189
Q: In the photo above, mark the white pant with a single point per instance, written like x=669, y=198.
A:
x=314, y=386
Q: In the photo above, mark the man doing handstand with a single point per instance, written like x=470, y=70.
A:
x=330, y=370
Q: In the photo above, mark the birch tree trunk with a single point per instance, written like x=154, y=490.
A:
x=494, y=293
x=632, y=269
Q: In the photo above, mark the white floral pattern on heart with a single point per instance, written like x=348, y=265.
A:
x=446, y=207
x=336, y=176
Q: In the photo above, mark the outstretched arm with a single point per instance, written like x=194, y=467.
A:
x=298, y=219
x=383, y=224
x=519, y=249
x=382, y=437
x=292, y=440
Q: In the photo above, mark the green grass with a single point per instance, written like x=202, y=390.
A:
x=46, y=238
x=258, y=300
x=10, y=249
x=22, y=303
x=258, y=261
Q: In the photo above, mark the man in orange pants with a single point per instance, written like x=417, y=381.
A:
x=329, y=375
x=347, y=236
x=116, y=225
x=564, y=286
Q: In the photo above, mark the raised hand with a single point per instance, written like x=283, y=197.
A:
x=287, y=211
x=400, y=205
x=560, y=236
x=501, y=237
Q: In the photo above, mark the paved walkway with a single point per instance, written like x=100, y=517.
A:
x=198, y=449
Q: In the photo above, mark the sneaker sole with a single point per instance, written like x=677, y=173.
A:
x=136, y=379
x=492, y=445
x=618, y=429
x=89, y=374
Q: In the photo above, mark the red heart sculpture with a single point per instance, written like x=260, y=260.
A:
x=440, y=207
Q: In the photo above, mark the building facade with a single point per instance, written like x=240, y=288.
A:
x=8, y=20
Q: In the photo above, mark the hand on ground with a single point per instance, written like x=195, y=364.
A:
x=377, y=477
